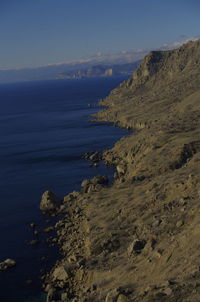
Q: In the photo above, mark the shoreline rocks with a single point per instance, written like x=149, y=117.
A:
x=49, y=203
x=7, y=264
x=94, y=157
x=94, y=184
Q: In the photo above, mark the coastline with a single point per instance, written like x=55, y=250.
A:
x=138, y=239
x=55, y=151
x=73, y=220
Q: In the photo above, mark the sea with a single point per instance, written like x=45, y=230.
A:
x=45, y=129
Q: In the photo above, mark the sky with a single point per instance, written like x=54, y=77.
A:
x=40, y=32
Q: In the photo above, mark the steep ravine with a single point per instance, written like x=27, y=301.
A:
x=138, y=240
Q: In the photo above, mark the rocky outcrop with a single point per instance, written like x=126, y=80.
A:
x=94, y=184
x=49, y=203
x=7, y=264
x=93, y=157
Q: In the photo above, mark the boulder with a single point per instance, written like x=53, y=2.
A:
x=71, y=196
x=112, y=296
x=100, y=179
x=61, y=273
x=167, y=291
x=94, y=157
x=48, y=229
x=34, y=242
x=51, y=294
x=85, y=183
x=49, y=202
x=8, y=263
x=122, y=298
x=136, y=247
x=64, y=297
x=94, y=184
x=121, y=169
x=32, y=225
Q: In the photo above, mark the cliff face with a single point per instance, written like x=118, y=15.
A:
x=138, y=240
x=161, y=82
x=169, y=64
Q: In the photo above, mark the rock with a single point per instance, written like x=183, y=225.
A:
x=49, y=202
x=94, y=287
x=72, y=258
x=179, y=223
x=71, y=196
x=136, y=247
x=165, y=283
x=32, y=225
x=100, y=179
x=34, y=242
x=64, y=297
x=51, y=295
x=121, y=169
x=110, y=245
x=122, y=298
x=182, y=201
x=94, y=184
x=48, y=287
x=158, y=254
x=85, y=183
x=87, y=155
x=167, y=291
x=80, y=274
x=8, y=263
x=112, y=296
x=61, y=273
x=94, y=157
x=48, y=229
x=156, y=223
x=138, y=178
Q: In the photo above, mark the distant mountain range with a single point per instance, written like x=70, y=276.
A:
x=99, y=65
x=100, y=71
x=93, y=67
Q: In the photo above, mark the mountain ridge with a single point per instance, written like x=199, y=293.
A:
x=53, y=71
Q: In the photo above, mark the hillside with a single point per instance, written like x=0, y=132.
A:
x=138, y=240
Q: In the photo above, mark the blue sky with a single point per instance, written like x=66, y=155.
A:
x=39, y=32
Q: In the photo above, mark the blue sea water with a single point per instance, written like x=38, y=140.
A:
x=44, y=131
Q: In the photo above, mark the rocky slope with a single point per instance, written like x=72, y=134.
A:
x=138, y=240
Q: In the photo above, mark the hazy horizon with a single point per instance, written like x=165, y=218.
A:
x=109, y=57
x=46, y=32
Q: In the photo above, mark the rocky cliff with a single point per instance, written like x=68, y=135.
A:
x=138, y=240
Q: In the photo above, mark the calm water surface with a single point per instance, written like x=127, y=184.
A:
x=44, y=131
